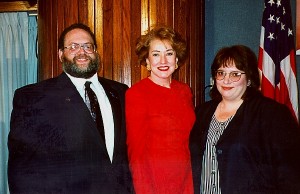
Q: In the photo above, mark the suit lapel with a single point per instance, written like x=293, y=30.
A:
x=233, y=128
x=72, y=99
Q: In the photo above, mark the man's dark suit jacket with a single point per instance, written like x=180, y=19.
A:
x=54, y=145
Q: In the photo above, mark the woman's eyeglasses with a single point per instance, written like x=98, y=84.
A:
x=89, y=48
x=234, y=76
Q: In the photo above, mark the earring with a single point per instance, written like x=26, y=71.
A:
x=176, y=66
x=249, y=83
x=148, y=67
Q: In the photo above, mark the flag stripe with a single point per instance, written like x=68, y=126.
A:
x=290, y=81
x=277, y=55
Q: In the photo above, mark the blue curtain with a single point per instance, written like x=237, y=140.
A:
x=18, y=67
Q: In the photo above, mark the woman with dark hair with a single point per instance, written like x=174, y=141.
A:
x=159, y=118
x=243, y=142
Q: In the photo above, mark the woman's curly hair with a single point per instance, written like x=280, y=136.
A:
x=163, y=33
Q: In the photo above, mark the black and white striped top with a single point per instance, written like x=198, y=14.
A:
x=210, y=173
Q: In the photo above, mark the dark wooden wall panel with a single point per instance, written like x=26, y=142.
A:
x=15, y=5
x=47, y=37
x=119, y=30
x=117, y=24
x=125, y=69
x=136, y=18
x=108, y=53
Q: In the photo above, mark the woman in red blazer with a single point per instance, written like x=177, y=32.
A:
x=159, y=118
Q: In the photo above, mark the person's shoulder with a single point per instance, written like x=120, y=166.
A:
x=266, y=103
x=180, y=84
x=28, y=87
x=139, y=89
x=269, y=109
x=113, y=83
x=182, y=87
x=29, y=95
x=141, y=85
x=36, y=87
x=206, y=105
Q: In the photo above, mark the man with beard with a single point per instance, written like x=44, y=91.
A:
x=55, y=144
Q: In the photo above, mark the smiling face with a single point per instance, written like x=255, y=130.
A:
x=230, y=90
x=161, y=60
x=79, y=64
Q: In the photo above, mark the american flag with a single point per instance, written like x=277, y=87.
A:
x=277, y=55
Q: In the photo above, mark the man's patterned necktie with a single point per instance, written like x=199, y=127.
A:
x=94, y=108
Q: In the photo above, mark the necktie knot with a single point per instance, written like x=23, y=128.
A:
x=87, y=84
x=91, y=98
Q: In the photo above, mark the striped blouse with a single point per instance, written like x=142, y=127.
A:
x=210, y=173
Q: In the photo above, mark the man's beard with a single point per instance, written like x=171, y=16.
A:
x=71, y=67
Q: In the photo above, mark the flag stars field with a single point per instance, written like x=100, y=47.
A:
x=277, y=55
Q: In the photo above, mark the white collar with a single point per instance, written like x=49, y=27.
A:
x=79, y=82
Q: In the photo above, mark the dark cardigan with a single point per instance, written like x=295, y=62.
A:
x=259, y=151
